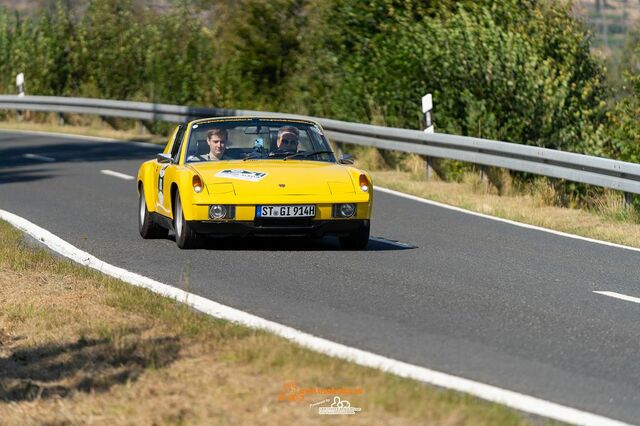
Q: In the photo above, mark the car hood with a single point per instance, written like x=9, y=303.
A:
x=275, y=177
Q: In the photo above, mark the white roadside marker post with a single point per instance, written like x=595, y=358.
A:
x=20, y=84
x=427, y=109
x=20, y=90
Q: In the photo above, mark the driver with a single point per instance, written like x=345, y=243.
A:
x=288, y=139
x=217, y=141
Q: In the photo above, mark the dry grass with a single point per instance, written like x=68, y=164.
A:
x=78, y=347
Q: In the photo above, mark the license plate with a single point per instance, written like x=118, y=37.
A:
x=307, y=210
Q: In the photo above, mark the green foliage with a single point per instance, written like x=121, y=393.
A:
x=261, y=44
x=115, y=49
x=179, y=65
x=516, y=70
x=6, y=48
x=38, y=47
x=624, y=127
x=110, y=49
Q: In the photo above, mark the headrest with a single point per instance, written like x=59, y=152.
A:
x=203, y=147
x=273, y=140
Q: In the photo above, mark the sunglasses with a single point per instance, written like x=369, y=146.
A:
x=289, y=142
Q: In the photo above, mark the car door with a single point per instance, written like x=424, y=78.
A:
x=163, y=187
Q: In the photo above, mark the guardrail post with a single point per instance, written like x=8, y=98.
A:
x=428, y=162
x=109, y=121
x=628, y=199
x=483, y=173
x=339, y=148
x=141, y=128
x=147, y=125
x=428, y=167
x=432, y=168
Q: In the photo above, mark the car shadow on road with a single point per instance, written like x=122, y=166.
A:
x=17, y=175
x=85, y=365
x=298, y=244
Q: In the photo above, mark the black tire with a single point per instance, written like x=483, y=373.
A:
x=358, y=239
x=186, y=237
x=146, y=226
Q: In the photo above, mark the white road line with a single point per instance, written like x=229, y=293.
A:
x=619, y=296
x=116, y=174
x=39, y=157
x=499, y=219
x=512, y=399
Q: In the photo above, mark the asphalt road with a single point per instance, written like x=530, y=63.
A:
x=477, y=298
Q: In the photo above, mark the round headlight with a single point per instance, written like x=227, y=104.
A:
x=347, y=210
x=217, y=212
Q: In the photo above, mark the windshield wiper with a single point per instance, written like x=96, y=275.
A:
x=281, y=154
x=306, y=155
x=252, y=155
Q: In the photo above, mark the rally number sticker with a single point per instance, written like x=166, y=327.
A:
x=245, y=175
x=161, y=183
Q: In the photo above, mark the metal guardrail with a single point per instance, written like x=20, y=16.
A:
x=597, y=171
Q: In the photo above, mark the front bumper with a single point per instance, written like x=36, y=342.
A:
x=288, y=227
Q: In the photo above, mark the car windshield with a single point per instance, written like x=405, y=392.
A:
x=253, y=139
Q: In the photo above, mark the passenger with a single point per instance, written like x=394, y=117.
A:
x=288, y=139
x=217, y=141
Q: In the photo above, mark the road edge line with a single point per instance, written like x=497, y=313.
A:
x=495, y=394
x=618, y=296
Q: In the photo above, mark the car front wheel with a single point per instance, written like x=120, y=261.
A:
x=146, y=226
x=358, y=239
x=186, y=237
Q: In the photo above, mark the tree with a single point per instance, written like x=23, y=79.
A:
x=526, y=64
x=259, y=49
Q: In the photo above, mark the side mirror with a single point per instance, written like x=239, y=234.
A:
x=164, y=158
x=346, y=159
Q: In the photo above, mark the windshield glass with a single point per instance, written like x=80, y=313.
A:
x=257, y=139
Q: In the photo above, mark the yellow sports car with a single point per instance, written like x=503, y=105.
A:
x=253, y=176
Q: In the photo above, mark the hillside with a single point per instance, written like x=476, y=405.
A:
x=610, y=20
